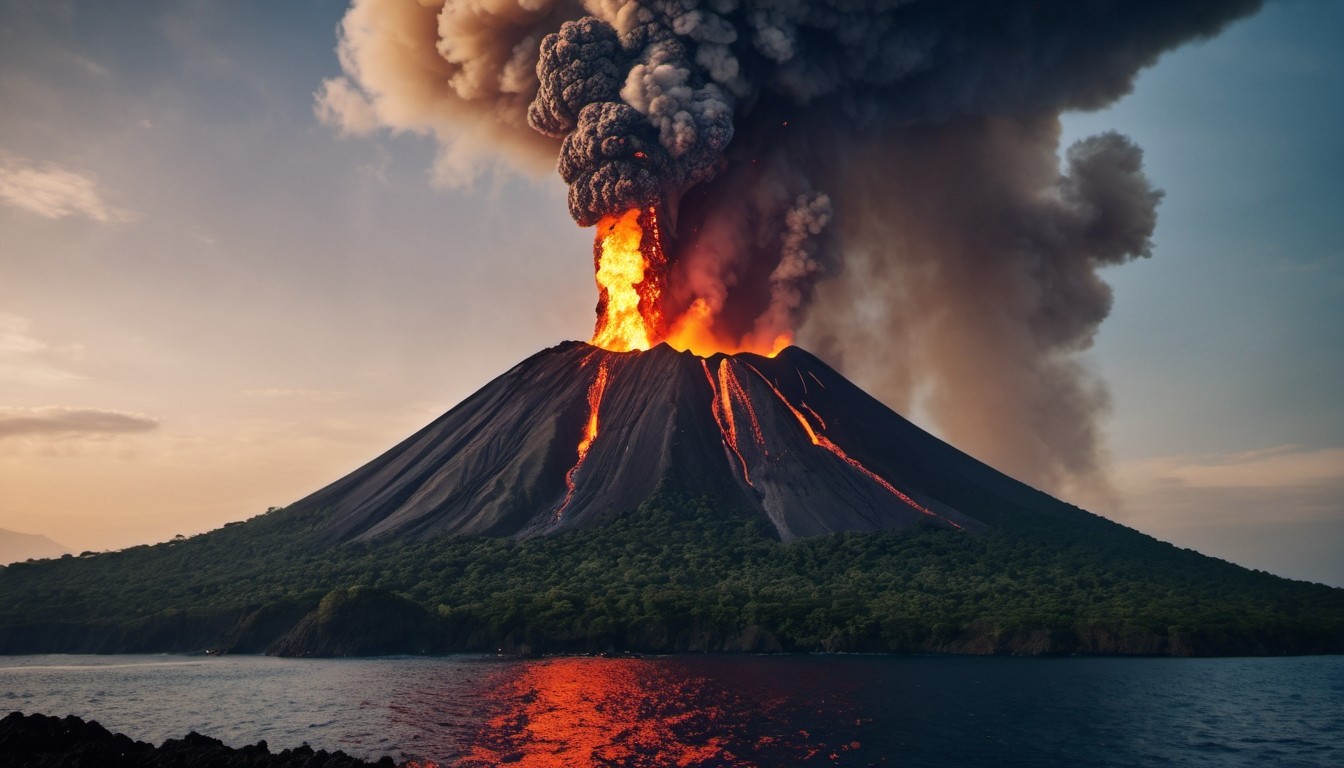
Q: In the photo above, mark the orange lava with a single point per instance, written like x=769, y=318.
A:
x=822, y=441
x=731, y=385
x=693, y=331
x=814, y=414
x=722, y=407
x=630, y=268
x=629, y=286
x=587, y=713
x=595, y=392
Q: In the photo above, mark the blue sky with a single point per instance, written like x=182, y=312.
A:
x=1223, y=351
x=210, y=303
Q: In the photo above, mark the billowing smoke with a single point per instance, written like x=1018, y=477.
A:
x=881, y=177
x=640, y=118
x=987, y=276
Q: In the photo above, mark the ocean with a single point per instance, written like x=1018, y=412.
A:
x=767, y=711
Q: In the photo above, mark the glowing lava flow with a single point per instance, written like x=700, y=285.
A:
x=722, y=408
x=595, y=392
x=824, y=442
x=815, y=415
x=728, y=380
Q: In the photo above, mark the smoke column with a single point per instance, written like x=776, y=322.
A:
x=883, y=178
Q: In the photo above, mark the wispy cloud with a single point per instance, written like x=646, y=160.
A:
x=1283, y=485
x=1300, y=266
x=16, y=335
x=60, y=420
x=27, y=359
x=92, y=67
x=338, y=103
x=54, y=192
x=1284, y=466
x=1279, y=508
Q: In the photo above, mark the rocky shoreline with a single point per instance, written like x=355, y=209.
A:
x=43, y=741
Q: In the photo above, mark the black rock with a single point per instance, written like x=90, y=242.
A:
x=41, y=741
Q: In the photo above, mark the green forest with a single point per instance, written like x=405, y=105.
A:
x=674, y=575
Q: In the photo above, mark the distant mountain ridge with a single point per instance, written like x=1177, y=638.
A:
x=16, y=547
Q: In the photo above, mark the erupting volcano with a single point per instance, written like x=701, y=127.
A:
x=883, y=179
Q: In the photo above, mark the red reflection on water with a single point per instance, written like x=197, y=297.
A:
x=575, y=713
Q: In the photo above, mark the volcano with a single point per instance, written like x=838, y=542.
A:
x=576, y=434
x=669, y=474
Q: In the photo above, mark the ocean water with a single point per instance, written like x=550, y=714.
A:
x=470, y=711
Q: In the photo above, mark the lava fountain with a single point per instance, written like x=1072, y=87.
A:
x=631, y=268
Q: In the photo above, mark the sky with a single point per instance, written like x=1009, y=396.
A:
x=212, y=303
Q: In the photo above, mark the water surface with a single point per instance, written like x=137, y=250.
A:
x=718, y=711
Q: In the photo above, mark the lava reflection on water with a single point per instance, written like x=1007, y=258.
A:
x=588, y=712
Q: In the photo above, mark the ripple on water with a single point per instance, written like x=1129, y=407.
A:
x=720, y=711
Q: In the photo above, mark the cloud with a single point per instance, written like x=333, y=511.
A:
x=1297, y=266
x=1172, y=496
x=471, y=95
x=60, y=420
x=14, y=335
x=25, y=359
x=1279, y=467
x=1278, y=508
x=340, y=104
x=53, y=192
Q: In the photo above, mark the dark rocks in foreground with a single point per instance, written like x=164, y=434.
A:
x=41, y=741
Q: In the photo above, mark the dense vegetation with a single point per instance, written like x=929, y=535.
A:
x=676, y=574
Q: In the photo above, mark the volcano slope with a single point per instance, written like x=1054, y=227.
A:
x=588, y=500
x=576, y=433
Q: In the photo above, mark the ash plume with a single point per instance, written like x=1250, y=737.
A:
x=881, y=177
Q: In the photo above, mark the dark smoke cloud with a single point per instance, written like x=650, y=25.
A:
x=639, y=119
x=883, y=175
x=987, y=269
x=585, y=65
